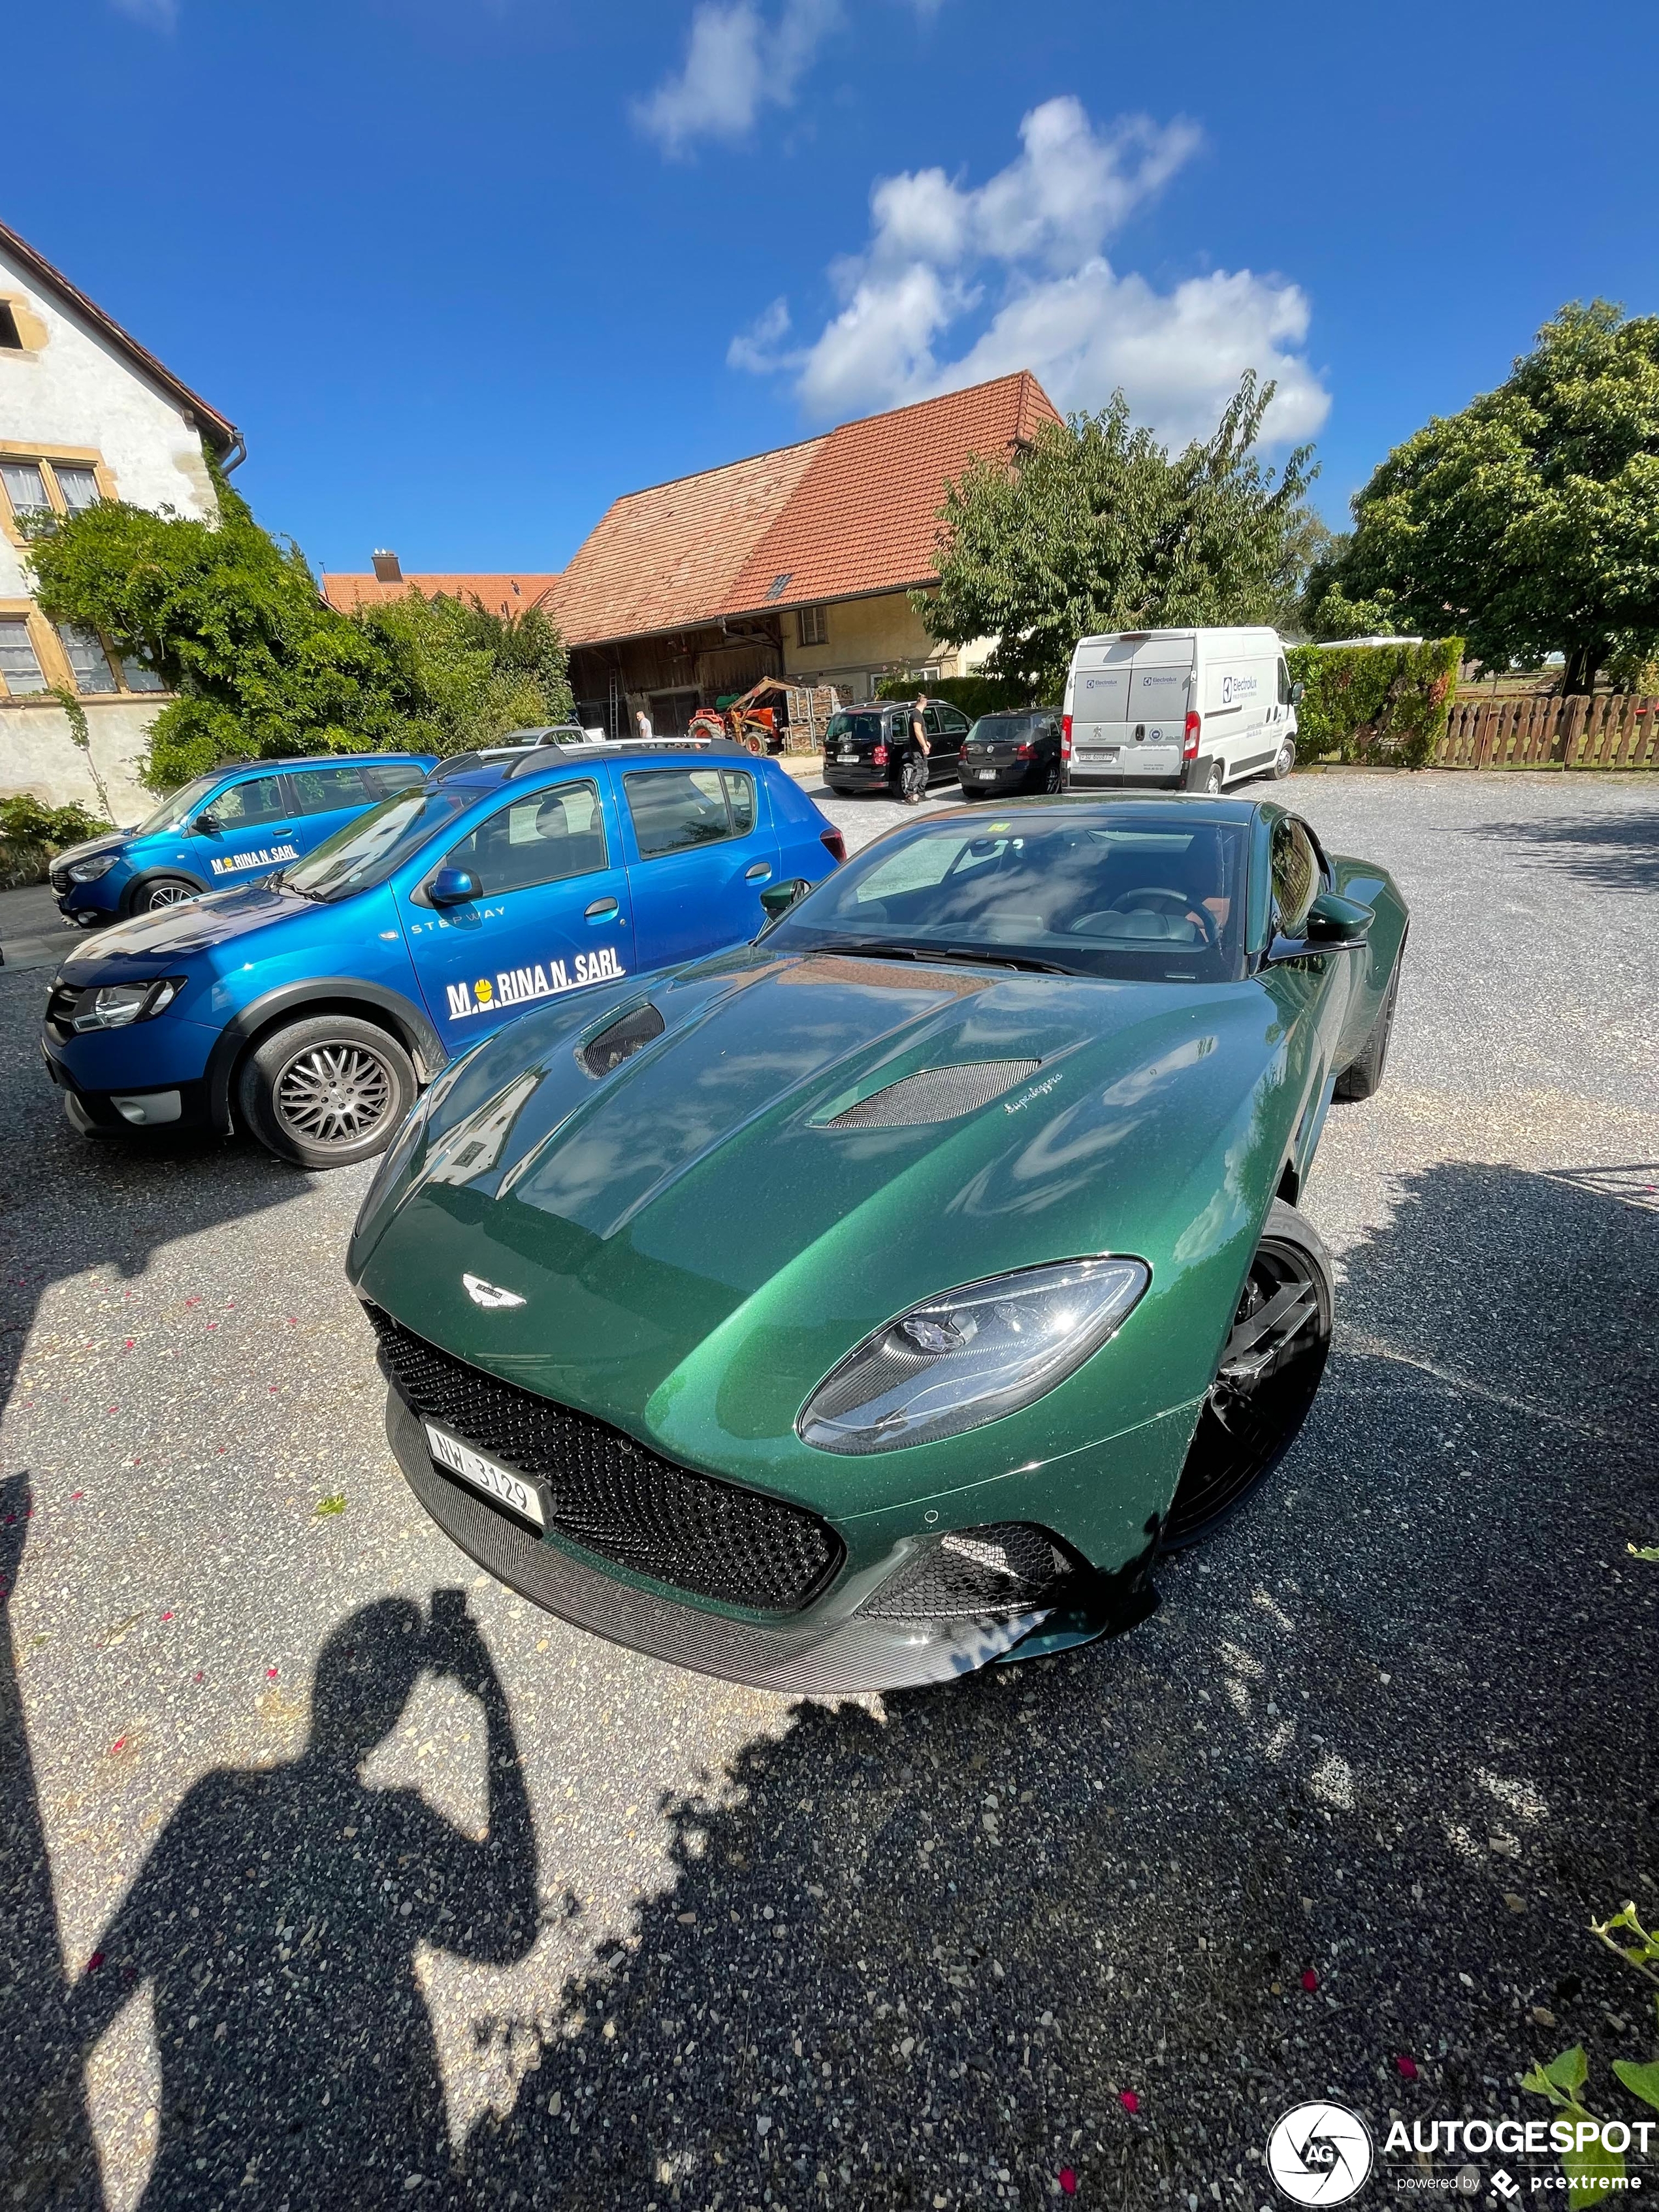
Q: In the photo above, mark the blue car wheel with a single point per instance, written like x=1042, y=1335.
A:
x=326, y=1091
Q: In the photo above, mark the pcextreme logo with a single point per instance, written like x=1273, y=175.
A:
x=522, y=987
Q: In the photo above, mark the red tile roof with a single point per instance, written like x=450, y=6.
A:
x=837, y=517
x=502, y=595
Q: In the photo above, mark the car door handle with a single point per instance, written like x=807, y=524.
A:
x=758, y=873
x=605, y=909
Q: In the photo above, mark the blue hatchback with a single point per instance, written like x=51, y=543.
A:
x=239, y=823
x=309, y=1007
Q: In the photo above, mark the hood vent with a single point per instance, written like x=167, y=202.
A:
x=936, y=1094
x=620, y=1041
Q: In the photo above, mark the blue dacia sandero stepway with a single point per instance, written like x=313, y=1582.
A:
x=309, y=1007
x=241, y=822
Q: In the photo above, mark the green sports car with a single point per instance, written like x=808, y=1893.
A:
x=880, y=1298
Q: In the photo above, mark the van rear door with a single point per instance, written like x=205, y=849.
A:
x=1158, y=690
x=1100, y=713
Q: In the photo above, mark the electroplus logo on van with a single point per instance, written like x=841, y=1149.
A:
x=1237, y=688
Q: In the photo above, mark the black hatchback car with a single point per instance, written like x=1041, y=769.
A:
x=1015, y=751
x=864, y=745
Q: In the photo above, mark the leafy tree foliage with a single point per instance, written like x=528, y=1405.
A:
x=1101, y=528
x=1529, y=522
x=233, y=622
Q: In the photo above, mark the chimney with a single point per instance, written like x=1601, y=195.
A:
x=388, y=569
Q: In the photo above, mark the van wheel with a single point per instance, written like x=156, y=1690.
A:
x=1215, y=779
x=1286, y=761
x=327, y=1091
x=161, y=891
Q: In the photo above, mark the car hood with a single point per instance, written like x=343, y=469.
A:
x=145, y=946
x=690, y=1225
x=106, y=840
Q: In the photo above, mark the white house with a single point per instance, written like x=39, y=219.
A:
x=85, y=413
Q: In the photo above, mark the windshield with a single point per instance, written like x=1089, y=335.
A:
x=367, y=850
x=1007, y=729
x=1127, y=892
x=177, y=806
x=865, y=728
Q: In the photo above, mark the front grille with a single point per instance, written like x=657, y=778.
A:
x=617, y=1496
x=1007, y=1567
x=62, y=1006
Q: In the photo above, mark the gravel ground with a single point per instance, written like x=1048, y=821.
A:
x=506, y=1916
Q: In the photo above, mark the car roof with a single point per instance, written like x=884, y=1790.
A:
x=499, y=764
x=315, y=760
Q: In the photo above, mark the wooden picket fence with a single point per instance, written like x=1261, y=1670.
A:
x=1619, y=731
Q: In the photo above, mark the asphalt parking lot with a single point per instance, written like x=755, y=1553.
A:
x=511, y=1917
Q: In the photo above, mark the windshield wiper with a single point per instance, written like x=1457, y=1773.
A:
x=882, y=948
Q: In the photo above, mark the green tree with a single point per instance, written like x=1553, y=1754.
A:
x=1099, y=528
x=1530, y=522
x=233, y=622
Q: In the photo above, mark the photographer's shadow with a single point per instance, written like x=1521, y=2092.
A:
x=277, y=1921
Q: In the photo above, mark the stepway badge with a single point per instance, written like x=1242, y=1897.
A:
x=522, y=987
x=267, y=856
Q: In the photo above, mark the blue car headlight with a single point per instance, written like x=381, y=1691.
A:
x=89, y=870
x=970, y=1355
x=116, y=1005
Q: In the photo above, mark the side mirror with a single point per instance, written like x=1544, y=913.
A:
x=1296, y=689
x=777, y=898
x=1335, y=922
x=453, y=887
x=206, y=824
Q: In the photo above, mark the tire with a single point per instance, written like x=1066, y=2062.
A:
x=1250, y=1419
x=326, y=1091
x=158, y=891
x=1283, y=762
x=1215, y=782
x=1052, y=781
x=1363, y=1073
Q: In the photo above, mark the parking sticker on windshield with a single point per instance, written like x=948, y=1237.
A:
x=267, y=856
x=521, y=987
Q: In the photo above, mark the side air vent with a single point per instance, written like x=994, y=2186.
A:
x=936, y=1094
x=622, y=1039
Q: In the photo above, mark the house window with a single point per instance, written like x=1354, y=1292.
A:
x=41, y=485
x=138, y=677
x=814, y=624
x=10, y=337
x=26, y=487
x=89, y=663
x=20, y=668
x=78, y=485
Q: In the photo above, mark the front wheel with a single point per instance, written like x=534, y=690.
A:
x=1265, y=1380
x=161, y=891
x=1284, y=760
x=327, y=1091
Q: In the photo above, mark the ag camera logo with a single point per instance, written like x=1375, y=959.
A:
x=1319, y=2153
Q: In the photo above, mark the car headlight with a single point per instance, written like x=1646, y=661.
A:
x=116, y=1005
x=89, y=870
x=970, y=1355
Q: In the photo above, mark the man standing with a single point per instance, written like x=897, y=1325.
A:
x=913, y=767
x=642, y=723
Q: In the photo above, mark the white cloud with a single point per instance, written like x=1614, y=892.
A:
x=154, y=14
x=1028, y=244
x=737, y=61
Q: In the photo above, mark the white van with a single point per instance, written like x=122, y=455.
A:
x=1179, y=709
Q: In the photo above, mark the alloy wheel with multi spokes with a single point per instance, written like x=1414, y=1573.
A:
x=334, y=1094
x=327, y=1089
x=164, y=891
x=1265, y=1380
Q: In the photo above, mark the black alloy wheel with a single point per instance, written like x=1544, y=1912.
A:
x=1265, y=1380
x=1052, y=780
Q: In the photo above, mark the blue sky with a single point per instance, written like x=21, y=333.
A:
x=465, y=269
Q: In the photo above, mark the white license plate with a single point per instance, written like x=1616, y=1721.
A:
x=1106, y=753
x=986, y=775
x=497, y=1482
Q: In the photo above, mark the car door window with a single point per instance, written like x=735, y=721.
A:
x=953, y=722
x=1296, y=875
x=385, y=778
x=328, y=790
x=247, y=806
x=676, y=809
x=545, y=838
x=1284, y=684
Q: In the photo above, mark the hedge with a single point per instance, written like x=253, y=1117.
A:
x=973, y=695
x=31, y=833
x=1382, y=705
